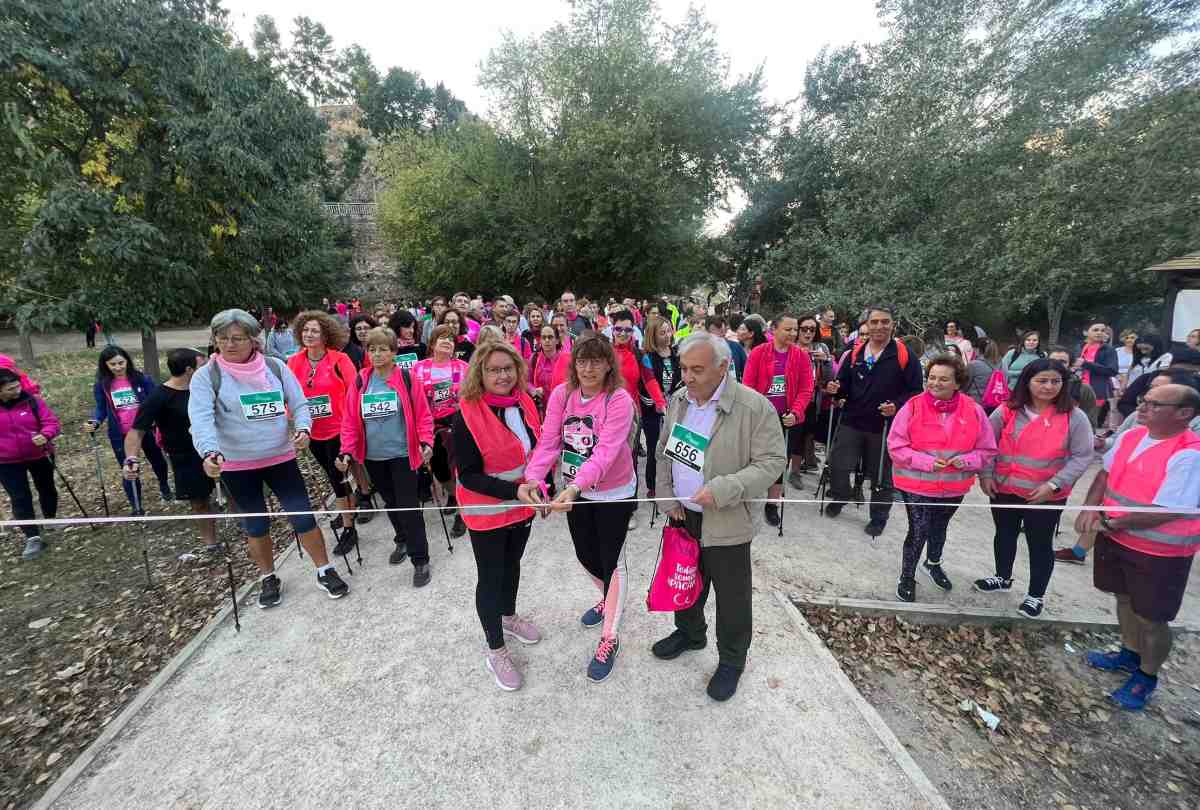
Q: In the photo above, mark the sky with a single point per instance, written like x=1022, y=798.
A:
x=445, y=40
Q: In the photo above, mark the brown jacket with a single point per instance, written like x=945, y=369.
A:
x=745, y=455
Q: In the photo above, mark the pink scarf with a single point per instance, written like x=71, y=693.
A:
x=943, y=405
x=497, y=401
x=252, y=373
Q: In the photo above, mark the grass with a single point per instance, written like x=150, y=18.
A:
x=99, y=632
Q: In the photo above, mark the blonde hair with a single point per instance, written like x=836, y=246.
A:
x=472, y=386
x=490, y=334
x=653, y=329
x=381, y=336
x=440, y=331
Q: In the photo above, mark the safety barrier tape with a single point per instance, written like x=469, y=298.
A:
x=79, y=521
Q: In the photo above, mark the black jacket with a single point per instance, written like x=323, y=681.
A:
x=865, y=389
x=1102, y=371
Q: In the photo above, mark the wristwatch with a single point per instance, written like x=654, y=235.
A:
x=1106, y=524
x=1057, y=489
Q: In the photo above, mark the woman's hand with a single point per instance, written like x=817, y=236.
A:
x=426, y=453
x=565, y=500
x=212, y=465
x=530, y=493
x=300, y=439
x=39, y=440
x=1042, y=494
x=789, y=419
x=342, y=462
x=90, y=426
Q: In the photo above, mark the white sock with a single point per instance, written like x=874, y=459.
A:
x=321, y=571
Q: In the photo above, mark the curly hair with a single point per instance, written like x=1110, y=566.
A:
x=332, y=332
x=952, y=362
x=472, y=385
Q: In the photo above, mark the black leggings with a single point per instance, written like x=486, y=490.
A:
x=498, y=559
x=926, y=526
x=15, y=479
x=652, y=422
x=396, y=481
x=157, y=462
x=326, y=451
x=1039, y=536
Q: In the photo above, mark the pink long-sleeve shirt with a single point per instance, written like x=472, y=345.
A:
x=598, y=430
x=903, y=455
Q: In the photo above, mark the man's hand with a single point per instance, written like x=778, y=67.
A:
x=39, y=440
x=704, y=498
x=1088, y=522
x=888, y=409
x=1042, y=494
x=832, y=387
x=212, y=465
x=565, y=500
x=988, y=487
x=789, y=419
x=676, y=514
x=300, y=439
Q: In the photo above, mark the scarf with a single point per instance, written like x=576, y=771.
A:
x=498, y=401
x=252, y=373
x=943, y=405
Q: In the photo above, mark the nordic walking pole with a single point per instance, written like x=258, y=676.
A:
x=783, y=484
x=340, y=516
x=887, y=423
x=67, y=484
x=223, y=503
x=135, y=487
x=99, y=472
x=441, y=514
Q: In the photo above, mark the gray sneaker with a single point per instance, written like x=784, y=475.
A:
x=795, y=480
x=33, y=548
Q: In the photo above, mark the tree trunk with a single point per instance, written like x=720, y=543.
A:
x=28, y=359
x=150, y=354
x=1055, y=305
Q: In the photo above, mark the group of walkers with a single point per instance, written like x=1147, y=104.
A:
x=500, y=414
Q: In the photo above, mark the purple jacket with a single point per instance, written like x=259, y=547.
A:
x=19, y=421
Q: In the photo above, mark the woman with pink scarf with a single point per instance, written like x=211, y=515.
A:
x=240, y=407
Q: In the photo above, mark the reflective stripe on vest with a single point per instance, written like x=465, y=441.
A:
x=924, y=432
x=1134, y=481
x=1032, y=452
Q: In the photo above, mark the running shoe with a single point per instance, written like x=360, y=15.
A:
x=270, y=591
x=992, y=584
x=501, y=665
x=33, y=548
x=521, y=629
x=593, y=615
x=937, y=576
x=906, y=589
x=1031, y=607
x=724, y=682
x=1124, y=661
x=675, y=645
x=421, y=575
x=459, y=528
x=795, y=480
x=399, y=554
x=1067, y=555
x=602, y=662
x=332, y=584
x=1136, y=692
x=346, y=542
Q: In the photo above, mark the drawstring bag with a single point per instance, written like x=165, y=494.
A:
x=677, y=580
x=996, y=392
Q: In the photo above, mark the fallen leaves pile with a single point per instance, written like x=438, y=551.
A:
x=1055, y=722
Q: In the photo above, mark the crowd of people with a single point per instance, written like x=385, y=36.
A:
x=498, y=413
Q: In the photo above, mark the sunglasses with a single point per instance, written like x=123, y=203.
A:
x=622, y=330
x=808, y=328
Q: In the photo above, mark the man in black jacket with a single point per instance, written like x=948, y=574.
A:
x=875, y=380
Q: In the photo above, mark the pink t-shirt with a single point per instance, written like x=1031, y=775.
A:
x=777, y=391
x=588, y=442
x=125, y=404
x=441, y=381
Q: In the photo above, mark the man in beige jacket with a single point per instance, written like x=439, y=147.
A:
x=721, y=444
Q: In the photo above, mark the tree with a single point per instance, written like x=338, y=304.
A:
x=167, y=167
x=266, y=42
x=310, y=60
x=615, y=136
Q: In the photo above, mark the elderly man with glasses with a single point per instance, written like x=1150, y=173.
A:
x=1144, y=558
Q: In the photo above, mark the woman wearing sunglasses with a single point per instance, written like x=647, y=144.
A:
x=325, y=375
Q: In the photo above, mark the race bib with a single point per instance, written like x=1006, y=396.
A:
x=570, y=464
x=441, y=392
x=379, y=406
x=406, y=361
x=668, y=376
x=778, y=386
x=263, y=405
x=687, y=447
x=320, y=407
x=125, y=398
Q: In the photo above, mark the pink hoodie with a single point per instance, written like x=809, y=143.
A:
x=598, y=430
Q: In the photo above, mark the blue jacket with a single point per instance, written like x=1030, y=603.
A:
x=104, y=405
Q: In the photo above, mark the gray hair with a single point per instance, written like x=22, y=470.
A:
x=719, y=346
x=227, y=318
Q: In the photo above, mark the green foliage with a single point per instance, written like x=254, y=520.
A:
x=615, y=136
x=988, y=157
x=169, y=169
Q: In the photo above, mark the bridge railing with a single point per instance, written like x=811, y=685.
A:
x=352, y=211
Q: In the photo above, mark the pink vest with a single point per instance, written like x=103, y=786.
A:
x=1136, y=482
x=927, y=434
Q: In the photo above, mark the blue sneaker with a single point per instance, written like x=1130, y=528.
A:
x=1135, y=693
x=602, y=663
x=1124, y=661
x=593, y=616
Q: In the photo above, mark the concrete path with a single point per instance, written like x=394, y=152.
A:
x=73, y=341
x=382, y=700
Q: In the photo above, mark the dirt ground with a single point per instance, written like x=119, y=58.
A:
x=1060, y=743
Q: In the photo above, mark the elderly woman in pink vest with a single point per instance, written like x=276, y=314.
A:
x=1045, y=444
x=938, y=442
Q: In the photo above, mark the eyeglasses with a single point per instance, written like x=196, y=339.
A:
x=1153, y=405
x=232, y=341
x=503, y=371
x=808, y=329
x=622, y=330
x=591, y=362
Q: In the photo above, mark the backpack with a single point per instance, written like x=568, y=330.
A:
x=901, y=353
x=996, y=392
x=403, y=373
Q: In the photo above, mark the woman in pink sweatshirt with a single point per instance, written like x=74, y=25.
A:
x=586, y=435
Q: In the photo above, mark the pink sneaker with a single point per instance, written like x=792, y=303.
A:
x=501, y=665
x=521, y=629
